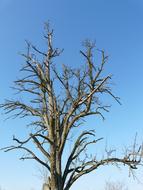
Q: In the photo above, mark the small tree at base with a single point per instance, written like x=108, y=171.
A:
x=58, y=102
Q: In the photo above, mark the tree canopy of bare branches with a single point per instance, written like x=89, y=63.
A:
x=58, y=100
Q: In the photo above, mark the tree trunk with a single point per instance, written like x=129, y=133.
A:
x=55, y=181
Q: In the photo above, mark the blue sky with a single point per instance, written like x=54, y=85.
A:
x=117, y=27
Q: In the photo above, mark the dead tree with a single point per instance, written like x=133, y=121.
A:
x=58, y=100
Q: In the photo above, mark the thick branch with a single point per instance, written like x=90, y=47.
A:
x=90, y=166
x=79, y=146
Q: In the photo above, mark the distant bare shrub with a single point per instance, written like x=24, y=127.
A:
x=115, y=186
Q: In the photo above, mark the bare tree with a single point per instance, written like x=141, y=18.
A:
x=59, y=100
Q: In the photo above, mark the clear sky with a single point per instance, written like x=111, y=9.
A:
x=117, y=27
